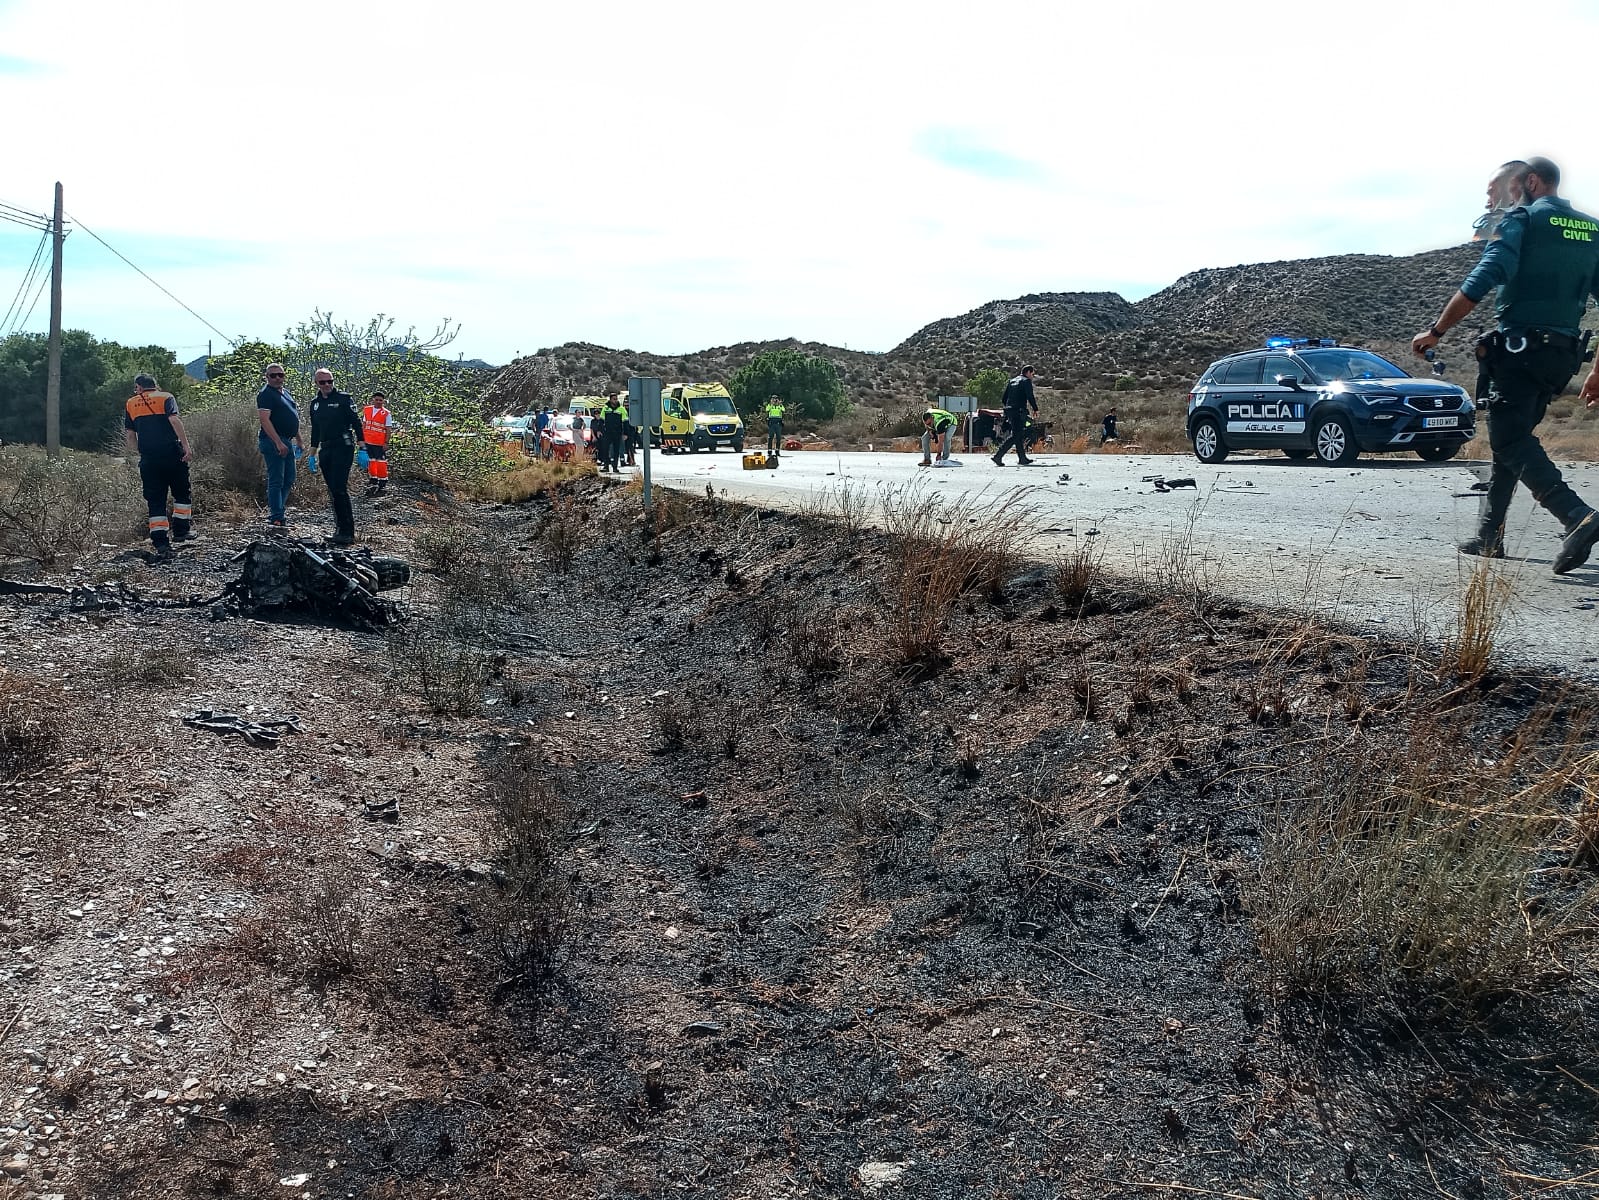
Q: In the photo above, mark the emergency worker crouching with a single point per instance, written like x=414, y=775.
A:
x=938, y=425
x=151, y=424
x=1544, y=260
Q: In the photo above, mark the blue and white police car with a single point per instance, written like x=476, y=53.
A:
x=1311, y=396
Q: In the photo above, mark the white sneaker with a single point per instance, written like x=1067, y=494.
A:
x=942, y=462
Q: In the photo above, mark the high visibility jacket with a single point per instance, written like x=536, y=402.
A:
x=375, y=422
x=942, y=419
x=150, y=415
x=774, y=408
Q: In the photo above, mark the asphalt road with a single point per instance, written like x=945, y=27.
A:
x=1371, y=545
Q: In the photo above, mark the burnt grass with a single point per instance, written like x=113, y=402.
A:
x=760, y=902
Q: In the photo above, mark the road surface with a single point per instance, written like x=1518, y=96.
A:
x=1371, y=545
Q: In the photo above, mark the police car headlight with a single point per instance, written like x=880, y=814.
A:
x=1376, y=400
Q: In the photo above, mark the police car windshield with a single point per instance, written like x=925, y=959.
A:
x=712, y=406
x=1330, y=365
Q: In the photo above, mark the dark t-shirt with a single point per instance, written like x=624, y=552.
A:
x=285, y=416
x=150, y=415
x=614, y=422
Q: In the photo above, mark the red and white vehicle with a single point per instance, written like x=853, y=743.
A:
x=563, y=439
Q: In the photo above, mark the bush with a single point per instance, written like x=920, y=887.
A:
x=1125, y=383
x=226, y=458
x=57, y=510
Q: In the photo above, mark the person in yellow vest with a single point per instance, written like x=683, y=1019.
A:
x=151, y=424
x=938, y=425
x=376, y=420
x=774, y=423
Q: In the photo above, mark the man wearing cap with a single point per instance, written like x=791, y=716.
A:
x=1545, y=263
x=151, y=424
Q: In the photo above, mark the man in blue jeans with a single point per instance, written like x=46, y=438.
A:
x=279, y=442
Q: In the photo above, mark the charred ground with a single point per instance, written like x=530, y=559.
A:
x=747, y=853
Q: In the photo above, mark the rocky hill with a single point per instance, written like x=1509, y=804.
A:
x=1086, y=338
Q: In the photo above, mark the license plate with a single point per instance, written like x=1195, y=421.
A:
x=1440, y=422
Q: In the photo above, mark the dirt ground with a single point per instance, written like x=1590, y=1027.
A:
x=696, y=884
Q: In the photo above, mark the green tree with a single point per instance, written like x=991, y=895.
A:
x=809, y=386
x=988, y=386
x=96, y=379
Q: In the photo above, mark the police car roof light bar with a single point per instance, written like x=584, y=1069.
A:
x=1289, y=343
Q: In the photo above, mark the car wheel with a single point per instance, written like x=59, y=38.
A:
x=1297, y=455
x=1438, y=451
x=1335, y=443
x=738, y=445
x=1208, y=446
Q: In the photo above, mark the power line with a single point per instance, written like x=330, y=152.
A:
x=230, y=341
x=43, y=280
x=27, y=282
x=23, y=216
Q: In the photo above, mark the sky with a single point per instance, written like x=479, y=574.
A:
x=670, y=177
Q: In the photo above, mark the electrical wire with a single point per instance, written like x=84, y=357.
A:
x=22, y=289
x=22, y=216
x=42, y=281
x=230, y=341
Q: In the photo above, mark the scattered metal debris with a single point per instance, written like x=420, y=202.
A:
x=258, y=733
x=1162, y=484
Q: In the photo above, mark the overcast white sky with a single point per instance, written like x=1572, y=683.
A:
x=672, y=176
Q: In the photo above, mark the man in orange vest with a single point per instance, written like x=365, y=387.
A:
x=151, y=423
x=375, y=422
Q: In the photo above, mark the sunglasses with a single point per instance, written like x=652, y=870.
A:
x=320, y=382
x=274, y=374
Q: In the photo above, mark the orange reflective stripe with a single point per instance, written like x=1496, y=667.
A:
x=182, y=512
x=159, y=523
x=378, y=469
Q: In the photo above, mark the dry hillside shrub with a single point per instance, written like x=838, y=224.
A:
x=57, y=510
x=521, y=483
x=32, y=722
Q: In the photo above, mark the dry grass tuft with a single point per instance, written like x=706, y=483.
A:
x=940, y=552
x=58, y=510
x=1425, y=873
x=522, y=483
x=1485, y=603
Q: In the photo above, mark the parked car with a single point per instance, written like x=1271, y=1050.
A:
x=1311, y=396
x=563, y=439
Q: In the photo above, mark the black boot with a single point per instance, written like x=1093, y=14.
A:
x=1484, y=545
x=1582, y=531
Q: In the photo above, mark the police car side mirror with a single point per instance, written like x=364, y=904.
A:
x=1290, y=382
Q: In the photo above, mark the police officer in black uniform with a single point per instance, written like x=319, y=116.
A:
x=1545, y=263
x=336, y=433
x=1018, y=401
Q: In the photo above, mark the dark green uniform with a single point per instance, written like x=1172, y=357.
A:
x=1545, y=264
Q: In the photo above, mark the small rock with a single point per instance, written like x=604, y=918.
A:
x=702, y=1028
x=295, y=1180
x=875, y=1176
x=16, y=1165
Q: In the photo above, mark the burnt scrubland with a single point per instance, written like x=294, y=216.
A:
x=730, y=852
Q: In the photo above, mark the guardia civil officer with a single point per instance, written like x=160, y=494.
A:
x=151, y=423
x=336, y=432
x=1018, y=402
x=1545, y=263
x=774, y=425
x=938, y=425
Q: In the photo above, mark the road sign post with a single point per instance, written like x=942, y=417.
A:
x=644, y=406
x=961, y=404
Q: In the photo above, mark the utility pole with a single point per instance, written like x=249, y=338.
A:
x=52, y=386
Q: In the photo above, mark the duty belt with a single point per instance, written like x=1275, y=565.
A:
x=1529, y=339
